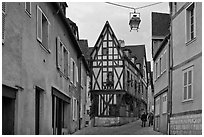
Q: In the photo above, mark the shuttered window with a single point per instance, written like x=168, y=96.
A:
x=62, y=57
x=42, y=28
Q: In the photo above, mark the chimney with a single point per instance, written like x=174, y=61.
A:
x=127, y=52
x=122, y=43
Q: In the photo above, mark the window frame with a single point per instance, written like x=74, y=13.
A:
x=3, y=21
x=188, y=38
x=187, y=70
x=74, y=109
x=40, y=40
x=28, y=13
x=163, y=65
x=164, y=103
x=157, y=106
x=62, y=62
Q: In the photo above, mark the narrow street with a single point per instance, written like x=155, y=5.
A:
x=133, y=128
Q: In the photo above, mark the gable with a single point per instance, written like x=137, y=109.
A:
x=106, y=44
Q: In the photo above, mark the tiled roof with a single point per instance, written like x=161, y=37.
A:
x=84, y=47
x=136, y=50
x=160, y=24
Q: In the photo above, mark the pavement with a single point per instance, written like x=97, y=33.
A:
x=133, y=128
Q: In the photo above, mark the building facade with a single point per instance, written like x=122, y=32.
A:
x=160, y=44
x=186, y=42
x=40, y=70
x=118, y=90
x=150, y=91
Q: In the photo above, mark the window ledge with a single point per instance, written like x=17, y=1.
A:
x=160, y=75
x=62, y=74
x=190, y=41
x=188, y=100
x=29, y=14
x=45, y=49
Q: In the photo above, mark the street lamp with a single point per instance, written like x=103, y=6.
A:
x=134, y=20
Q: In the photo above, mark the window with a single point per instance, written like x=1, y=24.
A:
x=190, y=22
x=42, y=28
x=74, y=72
x=74, y=108
x=156, y=75
x=110, y=80
x=62, y=58
x=105, y=51
x=188, y=84
x=65, y=61
x=3, y=20
x=76, y=75
x=164, y=59
x=164, y=100
x=163, y=62
x=160, y=63
x=157, y=105
x=28, y=8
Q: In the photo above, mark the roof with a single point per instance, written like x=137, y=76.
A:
x=83, y=43
x=137, y=51
x=160, y=24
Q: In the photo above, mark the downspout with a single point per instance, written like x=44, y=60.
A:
x=170, y=66
x=79, y=88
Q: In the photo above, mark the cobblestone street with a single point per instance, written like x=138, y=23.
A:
x=133, y=128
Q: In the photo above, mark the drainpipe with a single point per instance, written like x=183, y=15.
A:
x=170, y=66
x=79, y=88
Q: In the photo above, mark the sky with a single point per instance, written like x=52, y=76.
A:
x=90, y=18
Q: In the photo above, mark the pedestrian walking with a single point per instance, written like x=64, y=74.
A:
x=144, y=119
x=150, y=118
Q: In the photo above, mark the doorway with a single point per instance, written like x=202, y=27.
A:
x=8, y=110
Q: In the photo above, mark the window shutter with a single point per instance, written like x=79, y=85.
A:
x=82, y=77
x=164, y=64
x=68, y=56
x=28, y=7
x=62, y=59
x=3, y=20
x=58, y=53
x=73, y=109
x=39, y=24
x=76, y=74
x=71, y=70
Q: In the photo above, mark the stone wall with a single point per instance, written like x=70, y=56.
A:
x=186, y=124
x=113, y=121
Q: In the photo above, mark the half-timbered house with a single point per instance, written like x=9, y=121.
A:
x=115, y=79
